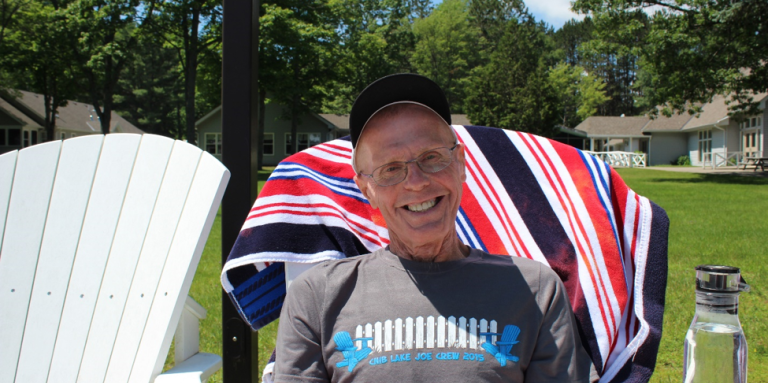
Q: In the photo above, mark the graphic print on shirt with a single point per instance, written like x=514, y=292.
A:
x=427, y=339
x=352, y=355
x=502, y=348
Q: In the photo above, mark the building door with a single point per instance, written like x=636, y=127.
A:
x=750, y=140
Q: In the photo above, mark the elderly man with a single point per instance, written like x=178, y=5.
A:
x=514, y=321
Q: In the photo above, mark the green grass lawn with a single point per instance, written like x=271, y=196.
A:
x=714, y=219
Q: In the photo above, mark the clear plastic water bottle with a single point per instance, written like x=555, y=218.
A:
x=715, y=347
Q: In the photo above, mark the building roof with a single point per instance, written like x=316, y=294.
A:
x=340, y=121
x=613, y=126
x=667, y=124
x=716, y=113
x=17, y=114
x=75, y=116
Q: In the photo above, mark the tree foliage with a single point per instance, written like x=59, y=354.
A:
x=513, y=90
x=445, y=51
x=692, y=50
x=189, y=27
x=107, y=33
x=579, y=93
x=38, y=56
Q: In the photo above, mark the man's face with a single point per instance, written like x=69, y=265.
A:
x=421, y=210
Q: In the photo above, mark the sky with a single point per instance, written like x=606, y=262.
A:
x=553, y=12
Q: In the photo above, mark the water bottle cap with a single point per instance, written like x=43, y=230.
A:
x=720, y=279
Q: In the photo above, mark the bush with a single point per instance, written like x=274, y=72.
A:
x=682, y=161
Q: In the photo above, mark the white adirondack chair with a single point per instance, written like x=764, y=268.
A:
x=101, y=236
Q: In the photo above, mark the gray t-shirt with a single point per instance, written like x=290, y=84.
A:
x=379, y=317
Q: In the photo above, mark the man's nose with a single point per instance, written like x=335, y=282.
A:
x=415, y=178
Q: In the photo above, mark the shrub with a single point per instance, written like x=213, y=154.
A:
x=682, y=161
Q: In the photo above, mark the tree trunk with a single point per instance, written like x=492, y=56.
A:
x=294, y=108
x=191, y=48
x=294, y=131
x=262, y=110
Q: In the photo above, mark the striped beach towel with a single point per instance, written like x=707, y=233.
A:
x=525, y=196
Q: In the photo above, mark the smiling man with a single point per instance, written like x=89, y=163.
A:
x=427, y=307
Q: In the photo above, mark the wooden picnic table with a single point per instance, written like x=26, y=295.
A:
x=762, y=162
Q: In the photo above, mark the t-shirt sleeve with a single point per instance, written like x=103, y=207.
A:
x=299, y=356
x=558, y=355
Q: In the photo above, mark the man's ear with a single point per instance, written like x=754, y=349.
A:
x=462, y=164
x=362, y=184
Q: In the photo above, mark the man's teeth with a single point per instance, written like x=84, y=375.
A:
x=422, y=206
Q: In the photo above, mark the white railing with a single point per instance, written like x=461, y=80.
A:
x=621, y=159
x=730, y=159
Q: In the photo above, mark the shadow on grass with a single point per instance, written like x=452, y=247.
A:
x=760, y=179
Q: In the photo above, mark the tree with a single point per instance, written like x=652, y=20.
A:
x=513, y=90
x=188, y=26
x=445, y=49
x=107, y=35
x=298, y=54
x=579, y=93
x=491, y=17
x=38, y=57
x=694, y=50
x=571, y=37
x=8, y=11
x=376, y=39
x=150, y=92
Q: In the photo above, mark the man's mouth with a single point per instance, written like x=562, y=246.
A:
x=424, y=206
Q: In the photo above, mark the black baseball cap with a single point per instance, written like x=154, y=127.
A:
x=393, y=89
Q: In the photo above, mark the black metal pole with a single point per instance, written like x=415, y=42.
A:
x=239, y=120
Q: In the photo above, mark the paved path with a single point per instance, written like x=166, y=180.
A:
x=750, y=172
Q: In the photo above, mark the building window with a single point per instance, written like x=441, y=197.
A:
x=25, y=141
x=705, y=146
x=314, y=139
x=268, y=144
x=304, y=141
x=213, y=143
x=3, y=141
x=33, y=140
x=14, y=137
x=62, y=135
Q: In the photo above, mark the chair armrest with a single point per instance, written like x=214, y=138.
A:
x=196, y=369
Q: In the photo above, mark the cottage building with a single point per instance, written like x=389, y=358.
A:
x=712, y=138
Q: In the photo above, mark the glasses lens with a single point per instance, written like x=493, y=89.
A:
x=390, y=174
x=435, y=160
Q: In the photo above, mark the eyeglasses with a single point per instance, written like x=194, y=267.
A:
x=431, y=161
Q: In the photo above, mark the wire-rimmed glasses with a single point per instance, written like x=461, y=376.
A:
x=431, y=161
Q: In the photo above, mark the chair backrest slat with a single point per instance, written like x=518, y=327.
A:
x=165, y=218
x=23, y=234
x=187, y=247
x=104, y=206
x=7, y=167
x=140, y=201
x=69, y=199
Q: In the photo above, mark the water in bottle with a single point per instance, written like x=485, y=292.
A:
x=715, y=347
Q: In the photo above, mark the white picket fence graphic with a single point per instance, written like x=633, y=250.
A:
x=410, y=334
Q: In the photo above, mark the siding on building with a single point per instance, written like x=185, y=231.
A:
x=667, y=147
